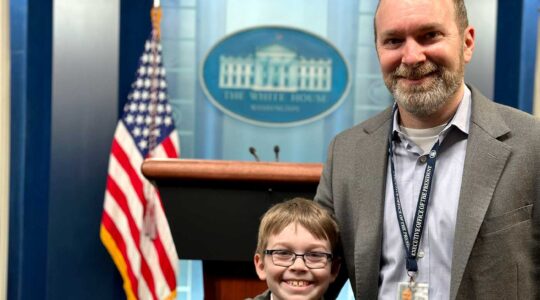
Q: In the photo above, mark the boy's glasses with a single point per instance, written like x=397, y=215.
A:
x=286, y=258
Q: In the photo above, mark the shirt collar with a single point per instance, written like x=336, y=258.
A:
x=461, y=118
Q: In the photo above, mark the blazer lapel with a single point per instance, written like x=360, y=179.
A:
x=484, y=163
x=369, y=191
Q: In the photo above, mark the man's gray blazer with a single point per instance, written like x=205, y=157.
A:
x=497, y=235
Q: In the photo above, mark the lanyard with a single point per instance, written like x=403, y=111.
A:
x=411, y=243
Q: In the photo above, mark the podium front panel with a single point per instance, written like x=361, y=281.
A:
x=218, y=221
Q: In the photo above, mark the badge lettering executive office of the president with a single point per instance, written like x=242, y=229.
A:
x=275, y=76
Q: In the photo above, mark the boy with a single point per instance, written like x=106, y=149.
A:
x=295, y=251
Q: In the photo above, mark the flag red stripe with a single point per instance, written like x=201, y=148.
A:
x=168, y=146
x=165, y=264
x=121, y=200
x=123, y=159
x=121, y=245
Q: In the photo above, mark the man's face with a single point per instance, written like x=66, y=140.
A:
x=422, y=52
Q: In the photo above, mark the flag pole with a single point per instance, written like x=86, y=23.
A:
x=149, y=219
x=155, y=15
x=156, y=18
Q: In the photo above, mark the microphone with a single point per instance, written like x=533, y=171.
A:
x=254, y=153
x=276, y=152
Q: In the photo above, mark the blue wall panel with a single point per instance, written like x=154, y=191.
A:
x=31, y=114
x=517, y=24
x=84, y=115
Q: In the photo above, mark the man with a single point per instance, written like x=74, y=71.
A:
x=440, y=196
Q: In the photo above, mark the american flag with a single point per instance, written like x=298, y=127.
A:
x=134, y=228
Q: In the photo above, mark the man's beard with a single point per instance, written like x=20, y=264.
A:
x=430, y=96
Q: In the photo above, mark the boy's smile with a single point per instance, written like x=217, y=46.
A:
x=300, y=283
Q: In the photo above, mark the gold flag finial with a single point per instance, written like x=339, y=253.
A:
x=156, y=20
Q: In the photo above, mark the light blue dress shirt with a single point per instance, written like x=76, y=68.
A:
x=435, y=251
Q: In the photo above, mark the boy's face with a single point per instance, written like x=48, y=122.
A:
x=296, y=281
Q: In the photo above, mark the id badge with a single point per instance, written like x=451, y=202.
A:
x=412, y=291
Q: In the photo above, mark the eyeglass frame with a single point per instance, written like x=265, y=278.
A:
x=329, y=257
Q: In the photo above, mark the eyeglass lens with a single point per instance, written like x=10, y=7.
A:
x=285, y=258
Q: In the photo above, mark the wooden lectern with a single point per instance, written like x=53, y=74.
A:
x=214, y=209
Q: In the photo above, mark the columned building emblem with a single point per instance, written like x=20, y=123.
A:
x=275, y=76
x=275, y=68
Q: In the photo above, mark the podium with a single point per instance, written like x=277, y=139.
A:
x=214, y=209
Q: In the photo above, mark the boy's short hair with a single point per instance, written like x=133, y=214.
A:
x=307, y=213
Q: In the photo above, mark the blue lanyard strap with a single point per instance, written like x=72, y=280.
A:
x=411, y=243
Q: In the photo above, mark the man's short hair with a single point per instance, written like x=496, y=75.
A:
x=461, y=15
x=318, y=221
x=462, y=21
